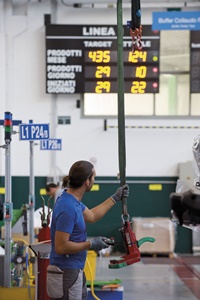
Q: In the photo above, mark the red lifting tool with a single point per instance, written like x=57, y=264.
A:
x=131, y=246
x=135, y=26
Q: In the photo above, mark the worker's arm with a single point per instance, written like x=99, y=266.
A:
x=96, y=213
x=64, y=246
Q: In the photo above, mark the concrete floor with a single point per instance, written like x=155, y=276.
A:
x=177, y=278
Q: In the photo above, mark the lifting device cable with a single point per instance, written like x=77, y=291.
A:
x=129, y=240
x=121, y=113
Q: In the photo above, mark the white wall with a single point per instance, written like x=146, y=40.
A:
x=149, y=152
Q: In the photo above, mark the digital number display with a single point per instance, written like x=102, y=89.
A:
x=194, y=62
x=99, y=56
x=83, y=59
x=134, y=87
x=103, y=72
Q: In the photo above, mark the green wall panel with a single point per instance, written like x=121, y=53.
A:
x=20, y=191
x=142, y=202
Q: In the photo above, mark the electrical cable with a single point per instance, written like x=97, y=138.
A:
x=92, y=280
x=27, y=270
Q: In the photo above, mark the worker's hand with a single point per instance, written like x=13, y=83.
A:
x=122, y=192
x=98, y=243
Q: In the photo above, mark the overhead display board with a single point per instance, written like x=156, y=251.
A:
x=194, y=62
x=83, y=59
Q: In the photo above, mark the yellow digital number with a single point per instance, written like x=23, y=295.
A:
x=106, y=56
x=100, y=71
x=137, y=56
x=138, y=87
x=92, y=55
x=141, y=72
x=99, y=56
x=102, y=85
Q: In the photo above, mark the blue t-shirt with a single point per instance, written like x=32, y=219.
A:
x=68, y=217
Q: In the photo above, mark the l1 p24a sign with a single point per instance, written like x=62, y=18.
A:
x=33, y=132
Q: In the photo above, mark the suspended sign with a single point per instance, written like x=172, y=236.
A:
x=83, y=59
x=176, y=20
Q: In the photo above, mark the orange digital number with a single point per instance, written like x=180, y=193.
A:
x=99, y=56
x=102, y=85
x=141, y=72
x=137, y=56
x=138, y=87
x=100, y=71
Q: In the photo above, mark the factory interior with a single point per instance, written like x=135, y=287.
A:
x=114, y=84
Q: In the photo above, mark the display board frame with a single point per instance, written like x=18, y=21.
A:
x=83, y=59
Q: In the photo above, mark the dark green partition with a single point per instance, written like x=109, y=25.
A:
x=142, y=202
x=149, y=197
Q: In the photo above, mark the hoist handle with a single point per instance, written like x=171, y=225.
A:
x=144, y=240
x=125, y=216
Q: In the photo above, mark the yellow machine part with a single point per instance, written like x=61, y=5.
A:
x=22, y=293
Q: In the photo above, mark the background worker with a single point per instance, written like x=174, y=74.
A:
x=53, y=190
x=69, y=243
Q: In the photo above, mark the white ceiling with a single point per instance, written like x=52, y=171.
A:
x=144, y=3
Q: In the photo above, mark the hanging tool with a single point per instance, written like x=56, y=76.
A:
x=131, y=246
x=45, y=219
x=135, y=25
x=24, y=223
x=185, y=203
x=130, y=243
x=185, y=207
x=49, y=210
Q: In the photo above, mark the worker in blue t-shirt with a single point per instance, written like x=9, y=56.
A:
x=68, y=233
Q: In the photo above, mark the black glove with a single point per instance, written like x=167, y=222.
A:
x=122, y=192
x=98, y=243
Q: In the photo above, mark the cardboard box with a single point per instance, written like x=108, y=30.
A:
x=162, y=229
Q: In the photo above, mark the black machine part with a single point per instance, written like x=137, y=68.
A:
x=185, y=207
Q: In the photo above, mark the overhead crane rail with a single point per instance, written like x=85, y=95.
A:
x=106, y=127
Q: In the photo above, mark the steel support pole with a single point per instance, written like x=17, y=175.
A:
x=31, y=193
x=8, y=207
x=8, y=236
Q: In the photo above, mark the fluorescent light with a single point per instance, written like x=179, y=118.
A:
x=127, y=3
x=163, y=5
x=193, y=4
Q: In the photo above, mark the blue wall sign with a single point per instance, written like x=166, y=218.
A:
x=33, y=132
x=176, y=20
x=51, y=144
